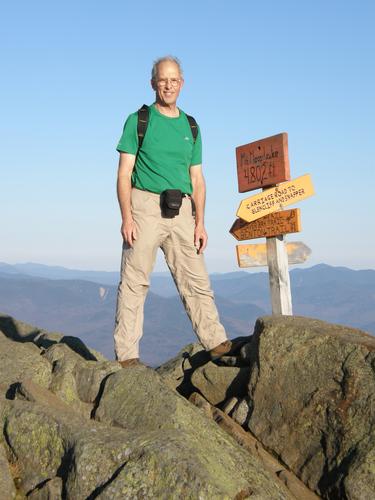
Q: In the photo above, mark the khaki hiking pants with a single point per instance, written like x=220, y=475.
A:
x=176, y=238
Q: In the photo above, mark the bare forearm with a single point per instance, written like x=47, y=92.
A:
x=124, y=192
x=199, y=197
x=124, y=187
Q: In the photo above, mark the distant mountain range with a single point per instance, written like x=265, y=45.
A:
x=82, y=303
x=59, y=273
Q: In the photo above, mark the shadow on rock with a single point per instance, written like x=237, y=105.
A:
x=195, y=363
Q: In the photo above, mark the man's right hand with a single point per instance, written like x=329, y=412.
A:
x=129, y=232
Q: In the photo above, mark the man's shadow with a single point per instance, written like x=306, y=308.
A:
x=239, y=384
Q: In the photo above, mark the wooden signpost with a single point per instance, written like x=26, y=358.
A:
x=278, y=273
x=256, y=255
x=265, y=164
x=287, y=221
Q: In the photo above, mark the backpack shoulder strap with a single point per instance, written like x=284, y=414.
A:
x=143, y=115
x=194, y=126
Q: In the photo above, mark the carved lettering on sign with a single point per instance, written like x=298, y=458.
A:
x=274, y=199
x=284, y=222
x=263, y=163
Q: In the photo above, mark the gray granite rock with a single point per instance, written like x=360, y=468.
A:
x=63, y=382
x=192, y=370
x=76, y=380
x=50, y=490
x=47, y=437
x=241, y=412
x=219, y=383
x=81, y=428
x=199, y=459
x=24, y=332
x=150, y=442
x=177, y=372
x=312, y=391
x=7, y=487
x=90, y=376
x=293, y=487
x=19, y=361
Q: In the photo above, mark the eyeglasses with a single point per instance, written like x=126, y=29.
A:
x=173, y=81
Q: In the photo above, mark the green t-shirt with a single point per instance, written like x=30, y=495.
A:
x=167, y=152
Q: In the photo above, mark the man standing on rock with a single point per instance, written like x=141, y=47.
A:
x=161, y=192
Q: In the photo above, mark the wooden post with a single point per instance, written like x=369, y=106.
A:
x=277, y=259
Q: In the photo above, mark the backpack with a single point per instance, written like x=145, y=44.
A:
x=143, y=115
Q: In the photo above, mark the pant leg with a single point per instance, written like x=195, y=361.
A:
x=190, y=275
x=136, y=266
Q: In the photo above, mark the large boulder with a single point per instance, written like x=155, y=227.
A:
x=192, y=370
x=219, y=383
x=190, y=457
x=177, y=372
x=48, y=438
x=76, y=380
x=64, y=365
x=294, y=486
x=199, y=460
x=24, y=332
x=312, y=402
x=19, y=361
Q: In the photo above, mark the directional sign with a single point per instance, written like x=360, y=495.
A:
x=284, y=222
x=263, y=163
x=256, y=255
x=274, y=199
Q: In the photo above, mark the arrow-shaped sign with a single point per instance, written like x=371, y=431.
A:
x=274, y=199
x=284, y=222
x=256, y=255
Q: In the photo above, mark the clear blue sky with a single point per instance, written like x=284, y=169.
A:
x=72, y=71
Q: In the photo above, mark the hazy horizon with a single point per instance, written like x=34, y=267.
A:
x=258, y=269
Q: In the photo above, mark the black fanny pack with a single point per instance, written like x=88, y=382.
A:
x=170, y=203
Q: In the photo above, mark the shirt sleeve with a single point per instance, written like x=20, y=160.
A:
x=129, y=140
x=196, y=158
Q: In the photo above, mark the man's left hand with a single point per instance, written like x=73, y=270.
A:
x=200, y=238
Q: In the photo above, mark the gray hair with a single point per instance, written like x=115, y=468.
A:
x=163, y=59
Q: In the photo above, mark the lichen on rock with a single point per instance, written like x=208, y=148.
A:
x=75, y=425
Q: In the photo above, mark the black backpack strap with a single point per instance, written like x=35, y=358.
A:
x=194, y=126
x=143, y=114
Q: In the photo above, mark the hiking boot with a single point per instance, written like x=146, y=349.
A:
x=221, y=350
x=130, y=362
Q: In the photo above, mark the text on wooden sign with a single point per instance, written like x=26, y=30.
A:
x=284, y=222
x=276, y=198
x=263, y=163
